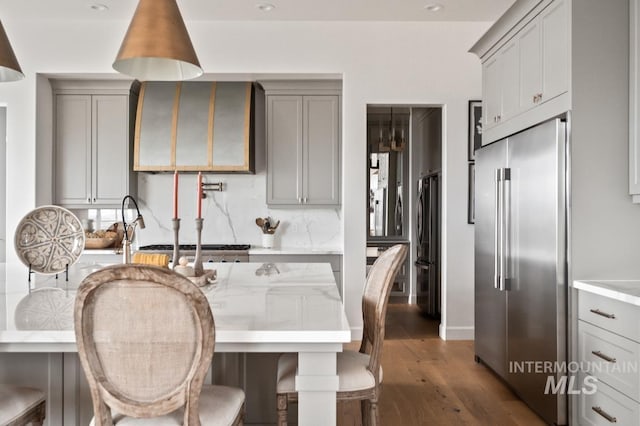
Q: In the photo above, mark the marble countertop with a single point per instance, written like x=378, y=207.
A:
x=293, y=250
x=281, y=304
x=623, y=290
x=252, y=251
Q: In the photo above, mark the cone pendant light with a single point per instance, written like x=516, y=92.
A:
x=9, y=67
x=157, y=46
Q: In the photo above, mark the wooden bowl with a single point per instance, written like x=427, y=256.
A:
x=98, y=243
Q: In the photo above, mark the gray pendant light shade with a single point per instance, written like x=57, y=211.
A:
x=9, y=67
x=157, y=46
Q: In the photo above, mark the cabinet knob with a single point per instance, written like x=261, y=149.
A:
x=299, y=200
x=94, y=200
x=88, y=200
x=305, y=200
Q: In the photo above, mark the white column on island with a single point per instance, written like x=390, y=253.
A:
x=317, y=383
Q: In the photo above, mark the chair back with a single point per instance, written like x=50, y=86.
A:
x=145, y=340
x=375, y=300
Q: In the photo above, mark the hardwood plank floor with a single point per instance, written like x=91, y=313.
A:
x=430, y=381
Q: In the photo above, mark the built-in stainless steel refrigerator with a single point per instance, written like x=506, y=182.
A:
x=428, y=244
x=520, y=263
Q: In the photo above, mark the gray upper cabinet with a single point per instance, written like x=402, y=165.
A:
x=92, y=144
x=303, y=148
x=525, y=68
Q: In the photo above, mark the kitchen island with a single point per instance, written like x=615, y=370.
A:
x=281, y=307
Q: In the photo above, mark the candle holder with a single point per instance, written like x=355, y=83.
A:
x=176, y=241
x=197, y=262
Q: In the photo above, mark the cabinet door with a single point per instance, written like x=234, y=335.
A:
x=510, y=79
x=110, y=162
x=321, y=150
x=491, y=92
x=555, y=50
x=530, y=58
x=284, y=149
x=73, y=150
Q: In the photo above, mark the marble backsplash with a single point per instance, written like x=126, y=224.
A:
x=229, y=216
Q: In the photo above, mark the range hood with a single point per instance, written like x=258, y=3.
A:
x=195, y=126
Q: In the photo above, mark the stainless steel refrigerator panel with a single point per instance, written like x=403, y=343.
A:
x=536, y=287
x=490, y=302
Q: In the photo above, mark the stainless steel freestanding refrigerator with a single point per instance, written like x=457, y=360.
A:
x=520, y=263
x=428, y=244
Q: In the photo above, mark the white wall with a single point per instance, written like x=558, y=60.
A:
x=3, y=182
x=406, y=63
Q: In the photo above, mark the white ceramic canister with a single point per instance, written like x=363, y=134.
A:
x=267, y=240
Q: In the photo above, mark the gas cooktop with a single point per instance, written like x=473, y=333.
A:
x=210, y=252
x=205, y=247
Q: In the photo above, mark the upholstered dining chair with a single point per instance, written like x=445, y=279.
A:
x=21, y=405
x=145, y=340
x=359, y=373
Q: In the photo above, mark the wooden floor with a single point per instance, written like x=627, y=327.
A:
x=428, y=381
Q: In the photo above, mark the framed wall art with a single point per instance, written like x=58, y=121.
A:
x=475, y=128
x=471, y=211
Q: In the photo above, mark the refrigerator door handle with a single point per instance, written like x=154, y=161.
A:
x=429, y=218
x=419, y=228
x=497, y=246
x=506, y=226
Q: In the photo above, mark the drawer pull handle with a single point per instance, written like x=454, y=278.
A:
x=603, y=314
x=604, y=414
x=603, y=356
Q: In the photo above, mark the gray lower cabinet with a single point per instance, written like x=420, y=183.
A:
x=608, y=334
x=334, y=259
x=92, y=145
x=303, y=150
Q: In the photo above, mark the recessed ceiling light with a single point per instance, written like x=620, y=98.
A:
x=265, y=7
x=99, y=7
x=434, y=7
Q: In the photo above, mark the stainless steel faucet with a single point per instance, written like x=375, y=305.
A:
x=126, y=243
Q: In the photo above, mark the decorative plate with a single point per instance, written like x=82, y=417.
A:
x=48, y=239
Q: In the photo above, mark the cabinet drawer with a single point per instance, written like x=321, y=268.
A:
x=612, y=315
x=607, y=406
x=610, y=358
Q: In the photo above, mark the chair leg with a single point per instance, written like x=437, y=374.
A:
x=375, y=414
x=282, y=402
x=370, y=414
x=365, y=412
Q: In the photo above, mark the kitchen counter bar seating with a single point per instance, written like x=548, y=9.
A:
x=360, y=373
x=145, y=340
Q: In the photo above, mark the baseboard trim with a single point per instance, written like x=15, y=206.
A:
x=356, y=334
x=456, y=333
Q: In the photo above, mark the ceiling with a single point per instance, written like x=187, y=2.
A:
x=247, y=10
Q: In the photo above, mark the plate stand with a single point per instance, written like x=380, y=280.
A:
x=31, y=271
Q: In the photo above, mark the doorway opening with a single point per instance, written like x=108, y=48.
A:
x=404, y=164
